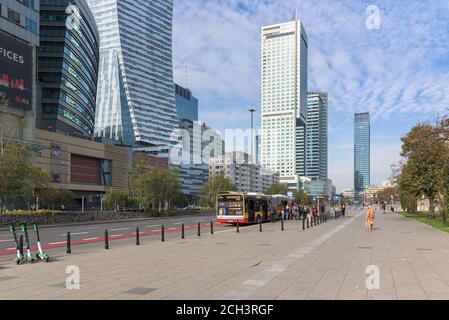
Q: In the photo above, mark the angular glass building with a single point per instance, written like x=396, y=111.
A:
x=136, y=100
x=67, y=69
x=362, y=153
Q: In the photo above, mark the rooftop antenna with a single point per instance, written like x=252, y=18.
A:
x=186, y=77
x=295, y=15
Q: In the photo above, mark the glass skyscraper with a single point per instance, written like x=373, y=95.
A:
x=362, y=153
x=136, y=99
x=317, y=136
x=67, y=69
x=284, y=99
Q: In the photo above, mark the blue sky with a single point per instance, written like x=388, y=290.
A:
x=399, y=73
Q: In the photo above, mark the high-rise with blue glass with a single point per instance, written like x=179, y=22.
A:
x=362, y=153
x=135, y=100
x=67, y=69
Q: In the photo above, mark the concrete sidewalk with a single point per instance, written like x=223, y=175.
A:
x=328, y=261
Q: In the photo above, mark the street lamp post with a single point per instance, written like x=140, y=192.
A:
x=252, y=110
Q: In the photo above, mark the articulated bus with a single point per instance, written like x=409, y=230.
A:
x=247, y=208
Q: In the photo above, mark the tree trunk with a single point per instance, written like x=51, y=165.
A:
x=432, y=208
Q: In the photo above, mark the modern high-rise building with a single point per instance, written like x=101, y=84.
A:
x=239, y=167
x=362, y=153
x=186, y=104
x=19, y=38
x=317, y=136
x=284, y=100
x=67, y=69
x=136, y=100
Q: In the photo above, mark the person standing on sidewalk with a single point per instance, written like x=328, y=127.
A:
x=272, y=211
x=369, y=218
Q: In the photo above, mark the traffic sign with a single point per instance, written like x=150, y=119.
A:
x=290, y=194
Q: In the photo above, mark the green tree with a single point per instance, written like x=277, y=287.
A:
x=277, y=188
x=302, y=197
x=54, y=198
x=116, y=199
x=154, y=187
x=216, y=184
x=19, y=177
x=422, y=170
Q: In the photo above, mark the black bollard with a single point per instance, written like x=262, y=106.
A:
x=282, y=225
x=21, y=245
x=137, y=236
x=260, y=225
x=69, y=246
x=238, y=226
x=163, y=233
x=199, y=229
x=106, y=239
x=307, y=221
x=303, y=223
x=183, y=235
x=211, y=227
x=311, y=221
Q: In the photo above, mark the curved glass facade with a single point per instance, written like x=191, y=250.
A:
x=68, y=69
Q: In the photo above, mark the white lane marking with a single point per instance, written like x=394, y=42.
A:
x=54, y=243
x=249, y=287
x=1, y=241
x=152, y=226
x=89, y=228
x=74, y=234
x=9, y=249
x=178, y=223
x=89, y=239
x=116, y=235
x=121, y=229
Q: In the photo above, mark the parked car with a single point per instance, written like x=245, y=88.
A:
x=192, y=207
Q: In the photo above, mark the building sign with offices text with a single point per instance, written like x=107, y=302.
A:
x=16, y=72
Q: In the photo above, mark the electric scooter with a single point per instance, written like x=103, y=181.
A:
x=19, y=258
x=29, y=257
x=42, y=255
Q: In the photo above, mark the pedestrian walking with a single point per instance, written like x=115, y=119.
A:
x=369, y=218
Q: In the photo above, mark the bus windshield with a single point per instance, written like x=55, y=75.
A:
x=230, y=205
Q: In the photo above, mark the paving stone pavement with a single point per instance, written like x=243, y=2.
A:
x=328, y=261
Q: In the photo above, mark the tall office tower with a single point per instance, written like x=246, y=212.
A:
x=317, y=136
x=284, y=99
x=136, y=100
x=186, y=104
x=19, y=38
x=68, y=69
x=362, y=153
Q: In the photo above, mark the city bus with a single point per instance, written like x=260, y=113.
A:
x=244, y=208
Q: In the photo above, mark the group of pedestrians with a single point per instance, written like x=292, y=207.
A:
x=291, y=211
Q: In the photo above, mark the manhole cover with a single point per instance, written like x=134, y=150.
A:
x=141, y=291
x=264, y=245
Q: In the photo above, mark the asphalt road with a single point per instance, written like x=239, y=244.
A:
x=90, y=237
